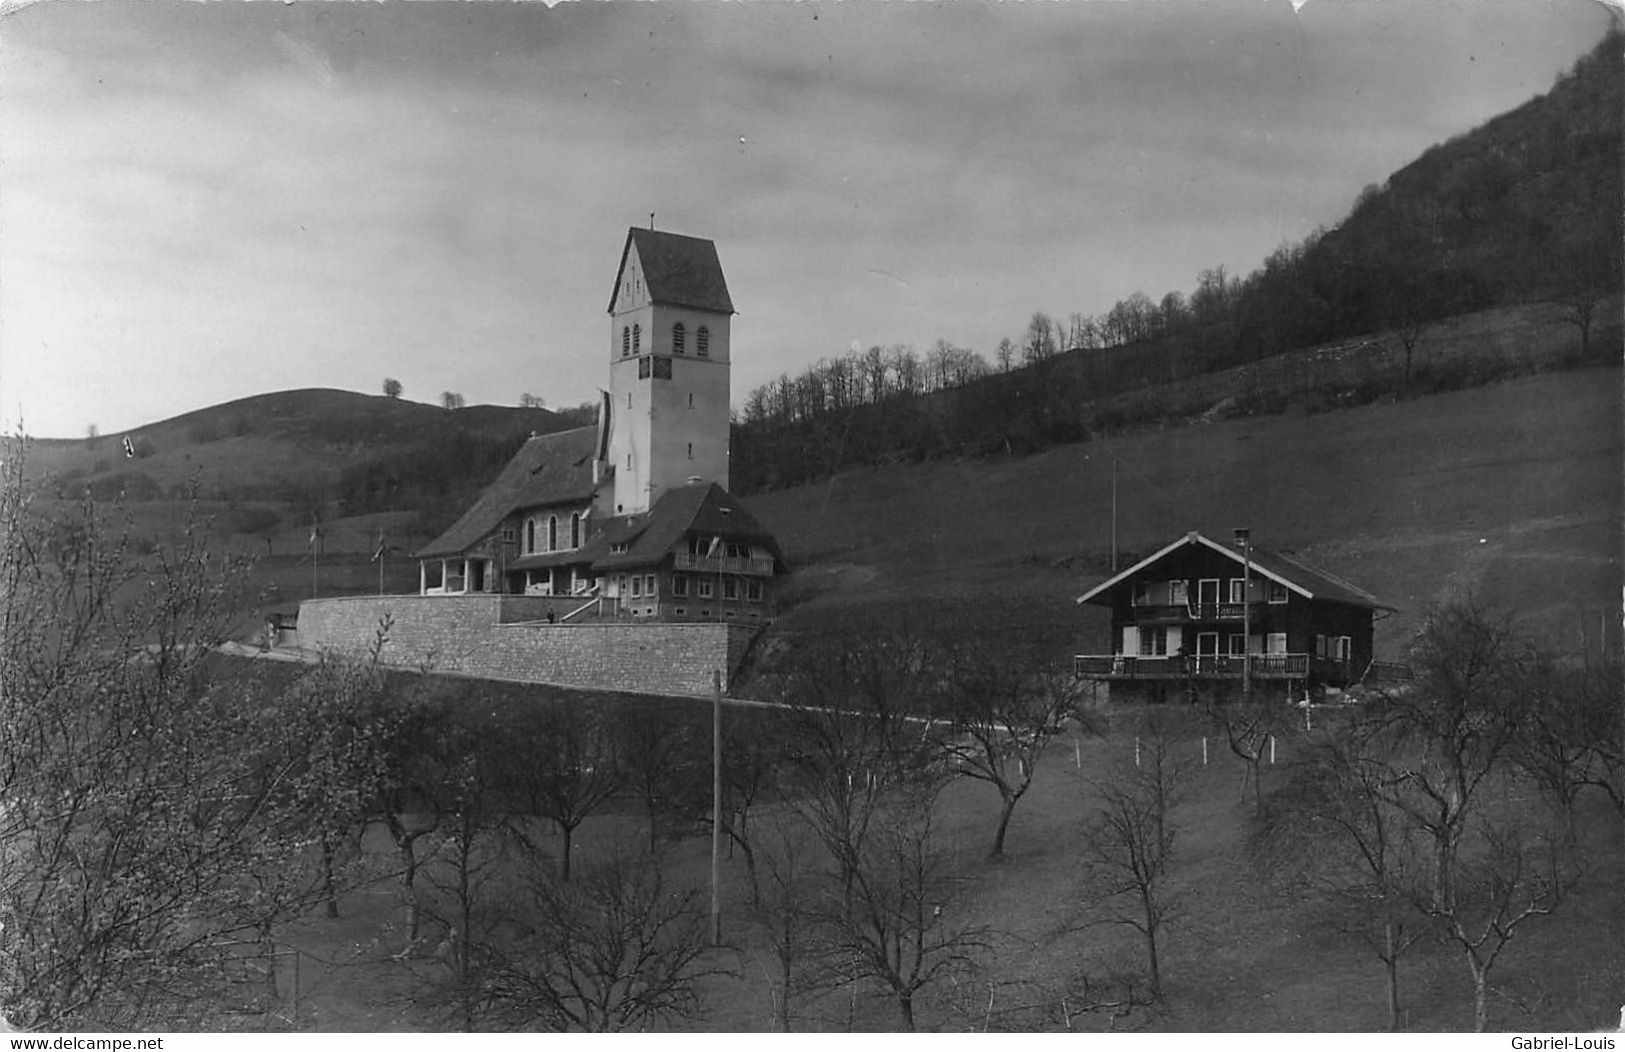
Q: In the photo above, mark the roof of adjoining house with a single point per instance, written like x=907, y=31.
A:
x=548, y=469
x=703, y=508
x=1307, y=581
x=680, y=271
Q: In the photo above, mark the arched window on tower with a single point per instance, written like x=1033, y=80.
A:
x=626, y=341
x=637, y=338
x=552, y=533
x=575, y=529
x=677, y=338
x=702, y=342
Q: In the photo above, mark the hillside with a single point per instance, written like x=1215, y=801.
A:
x=1513, y=489
x=1524, y=211
x=308, y=453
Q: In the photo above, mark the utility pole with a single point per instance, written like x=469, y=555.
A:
x=1243, y=538
x=716, y=807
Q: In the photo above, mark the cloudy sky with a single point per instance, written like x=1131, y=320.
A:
x=203, y=201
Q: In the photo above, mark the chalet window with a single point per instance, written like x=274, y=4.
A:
x=1179, y=593
x=1275, y=643
x=730, y=588
x=1142, y=594
x=575, y=529
x=649, y=585
x=626, y=342
x=703, y=588
x=1238, y=644
x=621, y=585
x=637, y=586
x=507, y=534
x=1153, y=642
x=637, y=338
x=702, y=342
x=1238, y=590
x=1342, y=648
x=679, y=586
x=1276, y=592
x=753, y=591
x=1320, y=646
x=677, y=338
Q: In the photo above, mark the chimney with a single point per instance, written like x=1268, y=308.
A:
x=1242, y=534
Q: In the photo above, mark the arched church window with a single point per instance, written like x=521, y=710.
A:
x=552, y=533
x=702, y=342
x=575, y=529
x=637, y=338
x=530, y=535
x=677, y=338
x=626, y=341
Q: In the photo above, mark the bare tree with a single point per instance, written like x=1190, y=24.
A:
x=392, y=387
x=615, y=950
x=531, y=401
x=1129, y=843
x=899, y=926
x=1006, y=705
x=571, y=769
x=143, y=817
x=451, y=400
x=1330, y=826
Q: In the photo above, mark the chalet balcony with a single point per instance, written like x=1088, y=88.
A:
x=1184, y=613
x=725, y=564
x=1203, y=666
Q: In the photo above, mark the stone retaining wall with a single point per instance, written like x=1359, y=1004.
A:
x=477, y=635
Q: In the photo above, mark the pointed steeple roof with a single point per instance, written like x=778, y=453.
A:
x=680, y=271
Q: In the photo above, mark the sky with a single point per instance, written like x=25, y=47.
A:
x=205, y=201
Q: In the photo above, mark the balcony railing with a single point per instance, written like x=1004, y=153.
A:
x=725, y=564
x=1201, y=666
x=1190, y=612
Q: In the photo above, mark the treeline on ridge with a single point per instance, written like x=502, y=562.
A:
x=1525, y=209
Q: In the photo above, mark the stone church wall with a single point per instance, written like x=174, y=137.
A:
x=477, y=635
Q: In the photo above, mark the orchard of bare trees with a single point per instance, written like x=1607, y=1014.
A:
x=172, y=819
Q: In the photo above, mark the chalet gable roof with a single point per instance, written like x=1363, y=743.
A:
x=548, y=469
x=679, y=271
x=703, y=508
x=1308, y=581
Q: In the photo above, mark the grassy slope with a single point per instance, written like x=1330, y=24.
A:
x=1514, y=489
x=288, y=434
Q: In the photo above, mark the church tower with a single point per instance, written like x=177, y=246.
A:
x=668, y=371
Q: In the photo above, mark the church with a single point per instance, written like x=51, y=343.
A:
x=631, y=518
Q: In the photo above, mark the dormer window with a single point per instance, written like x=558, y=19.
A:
x=702, y=342
x=677, y=338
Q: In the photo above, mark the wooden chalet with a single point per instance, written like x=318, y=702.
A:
x=1202, y=615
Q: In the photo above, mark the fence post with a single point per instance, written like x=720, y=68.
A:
x=1204, y=750
x=1136, y=750
x=1272, y=750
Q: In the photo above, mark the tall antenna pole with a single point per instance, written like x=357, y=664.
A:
x=1114, y=515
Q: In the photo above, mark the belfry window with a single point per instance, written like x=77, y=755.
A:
x=637, y=338
x=702, y=342
x=626, y=341
x=677, y=338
